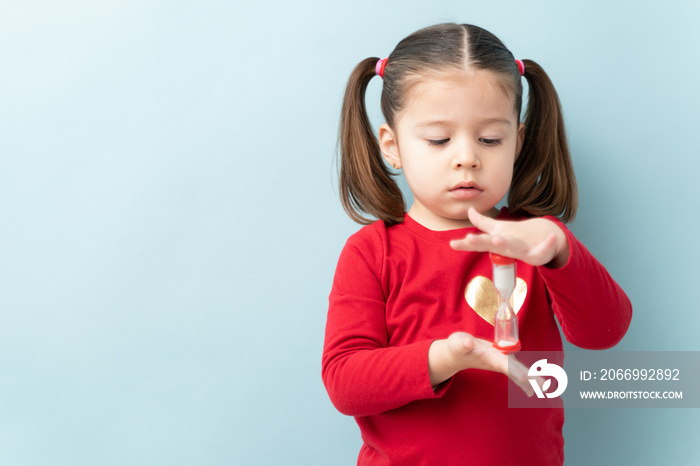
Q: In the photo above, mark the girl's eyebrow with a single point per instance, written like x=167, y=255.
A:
x=500, y=121
x=435, y=123
x=486, y=121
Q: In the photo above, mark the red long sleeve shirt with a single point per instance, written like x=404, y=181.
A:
x=398, y=289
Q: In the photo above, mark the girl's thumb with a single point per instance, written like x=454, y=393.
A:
x=467, y=343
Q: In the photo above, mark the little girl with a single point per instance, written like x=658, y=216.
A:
x=408, y=347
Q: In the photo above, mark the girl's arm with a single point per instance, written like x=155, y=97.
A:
x=593, y=310
x=591, y=307
x=362, y=372
x=463, y=351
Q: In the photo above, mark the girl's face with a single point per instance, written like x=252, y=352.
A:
x=456, y=140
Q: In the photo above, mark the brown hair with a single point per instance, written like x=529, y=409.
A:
x=543, y=176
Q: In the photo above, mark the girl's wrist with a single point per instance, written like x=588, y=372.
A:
x=439, y=365
x=562, y=251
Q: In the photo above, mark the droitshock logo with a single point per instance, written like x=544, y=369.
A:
x=542, y=368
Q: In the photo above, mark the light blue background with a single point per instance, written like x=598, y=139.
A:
x=170, y=221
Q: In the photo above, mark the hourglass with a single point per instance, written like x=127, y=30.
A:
x=506, y=324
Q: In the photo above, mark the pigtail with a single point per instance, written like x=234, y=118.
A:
x=366, y=184
x=543, y=176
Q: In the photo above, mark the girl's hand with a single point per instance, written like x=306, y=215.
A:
x=536, y=241
x=463, y=351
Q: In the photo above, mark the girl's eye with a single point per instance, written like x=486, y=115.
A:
x=438, y=142
x=490, y=142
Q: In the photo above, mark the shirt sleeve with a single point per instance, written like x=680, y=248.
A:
x=362, y=373
x=593, y=310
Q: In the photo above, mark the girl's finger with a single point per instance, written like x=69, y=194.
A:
x=518, y=374
x=461, y=343
x=472, y=242
x=482, y=222
x=506, y=364
x=497, y=361
x=467, y=343
x=489, y=243
x=490, y=358
x=543, y=251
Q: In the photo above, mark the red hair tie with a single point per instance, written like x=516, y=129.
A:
x=521, y=67
x=379, y=69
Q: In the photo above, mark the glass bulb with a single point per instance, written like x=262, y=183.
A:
x=506, y=336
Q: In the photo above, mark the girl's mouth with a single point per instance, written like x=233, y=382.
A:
x=465, y=192
x=466, y=185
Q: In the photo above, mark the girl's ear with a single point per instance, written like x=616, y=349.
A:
x=521, y=138
x=389, y=146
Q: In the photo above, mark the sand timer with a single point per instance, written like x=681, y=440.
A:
x=506, y=336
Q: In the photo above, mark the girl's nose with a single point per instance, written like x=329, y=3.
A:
x=466, y=157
